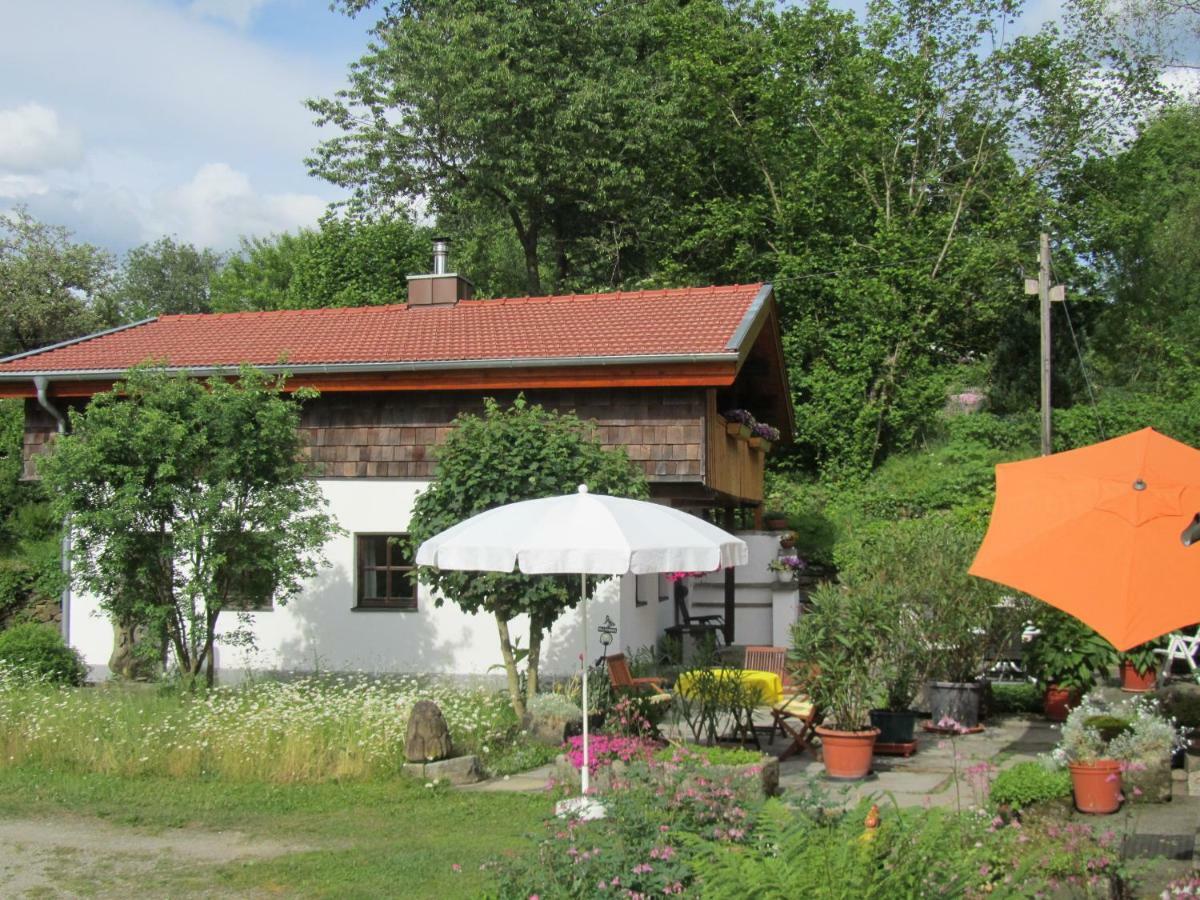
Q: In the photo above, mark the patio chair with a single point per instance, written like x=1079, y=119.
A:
x=1181, y=646
x=686, y=618
x=768, y=659
x=797, y=716
x=623, y=681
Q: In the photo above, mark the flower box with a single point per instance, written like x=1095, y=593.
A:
x=737, y=430
x=760, y=444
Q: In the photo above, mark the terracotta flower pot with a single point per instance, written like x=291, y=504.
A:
x=1137, y=682
x=847, y=754
x=1097, y=786
x=1059, y=702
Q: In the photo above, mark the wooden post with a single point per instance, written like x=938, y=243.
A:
x=1044, y=302
x=1046, y=294
x=730, y=585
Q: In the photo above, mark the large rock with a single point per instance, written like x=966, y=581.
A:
x=459, y=770
x=428, y=737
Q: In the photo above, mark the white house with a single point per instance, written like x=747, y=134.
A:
x=653, y=369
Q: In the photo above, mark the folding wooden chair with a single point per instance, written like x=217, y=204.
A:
x=797, y=716
x=768, y=659
x=624, y=682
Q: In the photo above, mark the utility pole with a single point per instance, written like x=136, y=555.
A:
x=1046, y=293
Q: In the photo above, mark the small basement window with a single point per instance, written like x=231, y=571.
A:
x=386, y=577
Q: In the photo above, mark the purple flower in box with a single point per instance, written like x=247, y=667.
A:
x=741, y=416
x=765, y=431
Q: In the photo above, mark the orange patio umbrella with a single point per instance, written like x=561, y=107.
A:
x=1103, y=533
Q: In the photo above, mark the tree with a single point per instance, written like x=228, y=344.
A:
x=346, y=262
x=546, y=114
x=1140, y=210
x=49, y=285
x=505, y=455
x=165, y=278
x=186, y=499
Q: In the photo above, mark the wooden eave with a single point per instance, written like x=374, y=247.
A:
x=660, y=374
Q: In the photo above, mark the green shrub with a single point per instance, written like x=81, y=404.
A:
x=1183, y=707
x=717, y=756
x=1016, y=698
x=1028, y=783
x=39, y=652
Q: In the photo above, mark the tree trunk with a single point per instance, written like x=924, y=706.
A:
x=528, y=236
x=531, y=662
x=510, y=667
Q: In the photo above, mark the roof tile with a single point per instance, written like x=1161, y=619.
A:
x=681, y=322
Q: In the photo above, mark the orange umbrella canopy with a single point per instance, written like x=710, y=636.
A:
x=1098, y=533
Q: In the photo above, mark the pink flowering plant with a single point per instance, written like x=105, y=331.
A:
x=643, y=847
x=605, y=749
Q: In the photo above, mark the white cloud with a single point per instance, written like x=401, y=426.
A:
x=33, y=140
x=219, y=203
x=17, y=187
x=238, y=12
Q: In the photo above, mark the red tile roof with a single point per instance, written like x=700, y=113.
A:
x=683, y=322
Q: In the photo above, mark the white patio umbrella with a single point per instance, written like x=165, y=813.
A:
x=588, y=534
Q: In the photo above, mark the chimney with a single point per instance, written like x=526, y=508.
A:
x=441, y=288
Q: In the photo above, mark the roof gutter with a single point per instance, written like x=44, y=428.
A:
x=41, y=384
x=419, y=366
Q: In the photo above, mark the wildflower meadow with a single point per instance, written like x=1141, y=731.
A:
x=309, y=728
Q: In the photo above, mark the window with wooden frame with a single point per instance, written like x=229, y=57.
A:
x=385, y=575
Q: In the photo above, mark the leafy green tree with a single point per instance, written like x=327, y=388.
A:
x=346, y=262
x=1141, y=209
x=50, y=286
x=505, y=455
x=890, y=178
x=544, y=114
x=183, y=497
x=166, y=277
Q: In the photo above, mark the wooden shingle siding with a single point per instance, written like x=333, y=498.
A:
x=393, y=435
x=40, y=428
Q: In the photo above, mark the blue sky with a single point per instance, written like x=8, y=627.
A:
x=129, y=119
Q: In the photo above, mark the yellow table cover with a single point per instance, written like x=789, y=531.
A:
x=770, y=687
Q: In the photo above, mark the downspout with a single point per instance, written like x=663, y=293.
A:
x=41, y=383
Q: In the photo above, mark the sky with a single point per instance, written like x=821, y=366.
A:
x=127, y=120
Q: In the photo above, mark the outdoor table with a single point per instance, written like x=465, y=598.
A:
x=767, y=688
x=769, y=684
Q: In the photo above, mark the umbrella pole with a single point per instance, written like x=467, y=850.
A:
x=586, y=759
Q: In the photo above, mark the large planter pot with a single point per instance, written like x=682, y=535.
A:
x=1097, y=786
x=895, y=727
x=1059, y=702
x=847, y=754
x=956, y=700
x=1137, y=682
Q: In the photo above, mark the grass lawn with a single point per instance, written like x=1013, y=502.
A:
x=364, y=839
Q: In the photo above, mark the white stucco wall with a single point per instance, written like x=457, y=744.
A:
x=320, y=629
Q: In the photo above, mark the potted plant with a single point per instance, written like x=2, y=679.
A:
x=1115, y=752
x=904, y=668
x=1065, y=657
x=762, y=436
x=953, y=618
x=840, y=639
x=776, y=520
x=787, y=540
x=1139, y=667
x=787, y=567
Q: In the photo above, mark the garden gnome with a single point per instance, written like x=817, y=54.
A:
x=428, y=737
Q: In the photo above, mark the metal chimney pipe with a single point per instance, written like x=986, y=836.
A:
x=441, y=250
